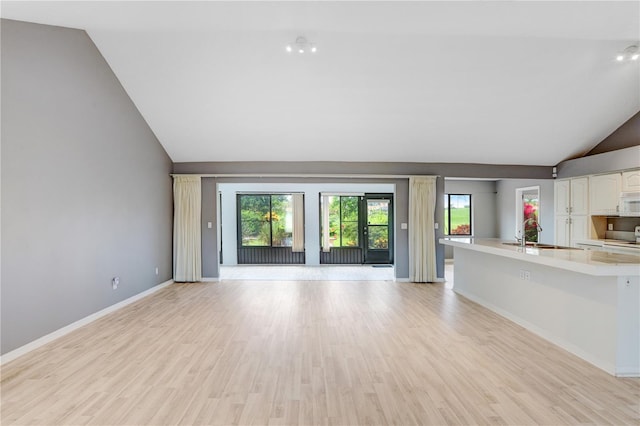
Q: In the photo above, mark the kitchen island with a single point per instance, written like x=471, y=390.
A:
x=587, y=302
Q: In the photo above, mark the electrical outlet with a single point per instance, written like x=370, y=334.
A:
x=610, y=226
x=527, y=276
x=521, y=274
x=115, y=282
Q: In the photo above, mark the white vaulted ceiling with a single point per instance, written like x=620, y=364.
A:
x=465, y=82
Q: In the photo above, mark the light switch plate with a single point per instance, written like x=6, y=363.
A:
x=437, y=225
x=209, y=225
x=403, y=226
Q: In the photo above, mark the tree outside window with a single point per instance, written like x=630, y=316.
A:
x=265, y=220
x=343, y=221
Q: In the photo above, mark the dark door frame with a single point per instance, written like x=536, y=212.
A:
x=376, y=256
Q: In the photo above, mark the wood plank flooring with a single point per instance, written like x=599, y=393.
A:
x=309, y=352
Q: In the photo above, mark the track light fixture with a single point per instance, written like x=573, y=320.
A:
x=301, y=46
x=631, y=53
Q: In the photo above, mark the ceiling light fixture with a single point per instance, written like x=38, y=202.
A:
x=631, y=53
x=301, y=46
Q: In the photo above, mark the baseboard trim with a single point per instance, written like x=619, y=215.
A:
x=210, y=279
x=406, y=280
x=627, y=372
x=22, y=350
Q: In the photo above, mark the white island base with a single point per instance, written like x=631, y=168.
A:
x=596, y=317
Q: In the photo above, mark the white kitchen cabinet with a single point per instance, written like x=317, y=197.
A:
x=631, y=181
x=571, y=198
x=604, y=194
x=562, y=237
x=569, y=229
x=578, y=228
x=561, y=195
x=579, y=196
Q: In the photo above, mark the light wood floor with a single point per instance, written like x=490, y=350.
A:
x=338, y=353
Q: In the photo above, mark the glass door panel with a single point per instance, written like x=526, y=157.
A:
x=378, y=228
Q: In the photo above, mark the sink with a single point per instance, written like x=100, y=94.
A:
x=541, y=246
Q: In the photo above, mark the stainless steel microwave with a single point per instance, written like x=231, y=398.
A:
x=630, y=204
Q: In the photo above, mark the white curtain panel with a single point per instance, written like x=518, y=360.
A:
x=298, y=223
x=187, y=251
x=326, y=242
x=422, y=243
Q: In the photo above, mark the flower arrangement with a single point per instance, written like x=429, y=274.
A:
x=530, y=212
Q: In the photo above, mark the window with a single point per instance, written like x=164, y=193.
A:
x=378, y=223
x=265, y=220
x=457, y=214
x=343, y=213
x=527, y=212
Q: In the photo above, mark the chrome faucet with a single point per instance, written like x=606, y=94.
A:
x=523, y=240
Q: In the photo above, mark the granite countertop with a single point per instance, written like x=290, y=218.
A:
x=589, y=262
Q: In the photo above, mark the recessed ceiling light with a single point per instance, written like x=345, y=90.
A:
x=302, y=45
x=631, y=53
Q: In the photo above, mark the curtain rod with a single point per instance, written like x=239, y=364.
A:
x=279, y=175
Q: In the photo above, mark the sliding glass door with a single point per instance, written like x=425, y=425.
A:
x=356, y=229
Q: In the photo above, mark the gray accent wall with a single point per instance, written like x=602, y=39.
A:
x=624, y=136
x=506, y=207
x=460, y=170
x=484, y=221
x=86, y=191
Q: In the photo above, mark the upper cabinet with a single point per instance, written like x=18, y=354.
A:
x=561, y=193
x=579, y=196
x=631, y=181
x=572, y=196
x=604, y=194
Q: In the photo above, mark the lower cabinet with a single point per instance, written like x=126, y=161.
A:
x=571, y=228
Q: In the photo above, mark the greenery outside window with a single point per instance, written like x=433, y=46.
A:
x=343, y=220
x=265, y=220
x=530, y=204
x=457, y=214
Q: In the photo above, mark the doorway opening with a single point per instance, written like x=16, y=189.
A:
x=528, y=213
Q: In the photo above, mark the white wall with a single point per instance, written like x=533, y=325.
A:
x=506, y=207
x=312, y=211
